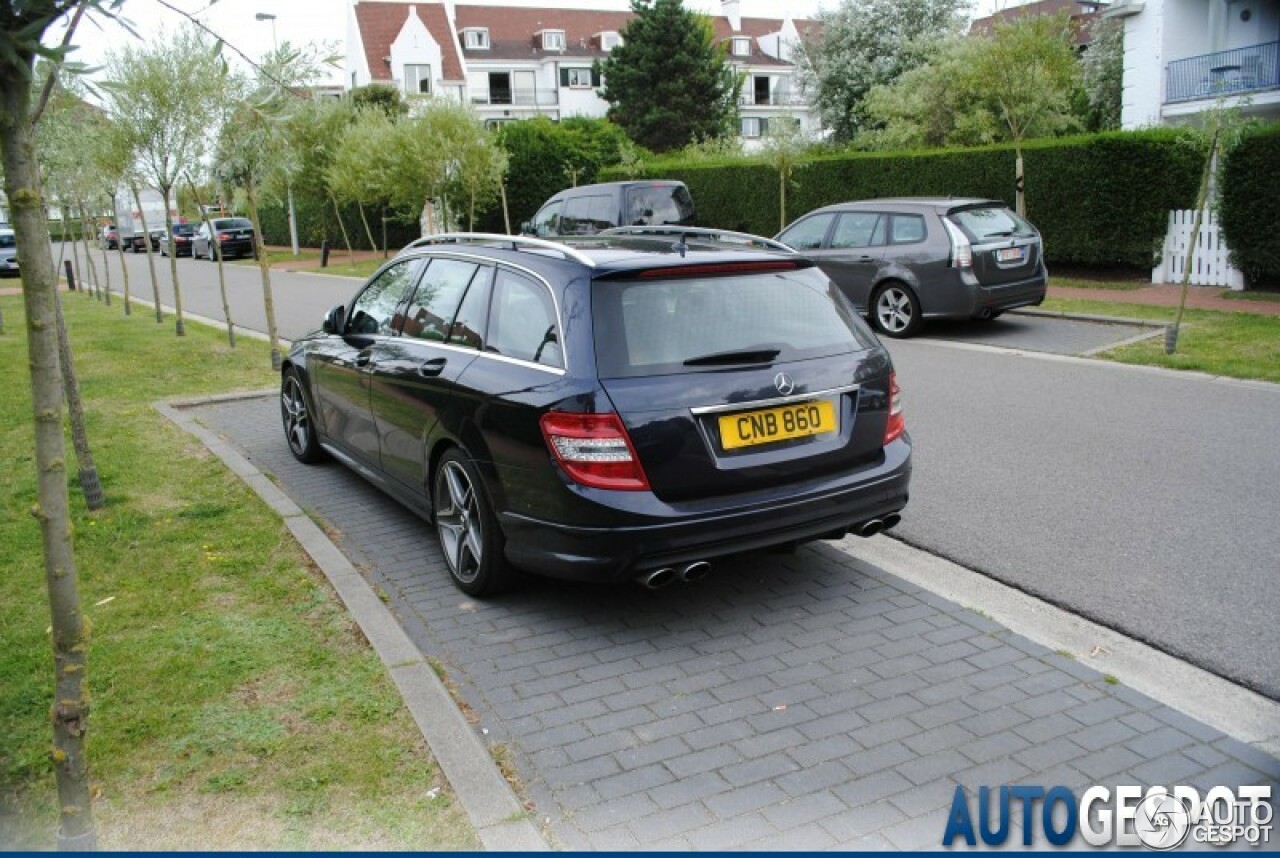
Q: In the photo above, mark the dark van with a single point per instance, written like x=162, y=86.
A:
x=589, y=209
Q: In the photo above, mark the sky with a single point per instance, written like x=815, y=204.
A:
x=318, y=21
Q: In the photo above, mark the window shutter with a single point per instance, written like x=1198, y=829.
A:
x=564, y=76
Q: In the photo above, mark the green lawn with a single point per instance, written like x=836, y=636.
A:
x=1085, y=283
x=1240, y=345
x=235, y=704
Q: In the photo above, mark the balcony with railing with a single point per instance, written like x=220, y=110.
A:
x=1233, y=72
x=773, y=99
x=515, y=97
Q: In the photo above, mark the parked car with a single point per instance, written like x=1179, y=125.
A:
x=108, y=237
x=589, y=209
x=183, y=233
x=616, y=408
x=901, y=261
x=8, y=253
x=234, y=235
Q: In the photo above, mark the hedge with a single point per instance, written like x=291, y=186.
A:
x=1099, y=200
x=1250, y=205
x=317, y=223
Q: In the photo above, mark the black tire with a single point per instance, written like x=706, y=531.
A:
x=470, y=539
x=895, y=310
x=213, y=255
x=296, y=414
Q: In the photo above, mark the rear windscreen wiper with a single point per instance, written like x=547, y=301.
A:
x=760, y=355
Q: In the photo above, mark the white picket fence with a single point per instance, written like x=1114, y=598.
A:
x=1209, y=265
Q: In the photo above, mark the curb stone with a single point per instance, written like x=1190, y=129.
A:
x=499, y=818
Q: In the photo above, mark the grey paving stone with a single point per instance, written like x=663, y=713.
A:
x=920, y=800
x=863, y=820
x=994, y=747
x=928, y=769
x=745, y=800
x=1046, y=755
x=804, y=839
x=731, y=834
x=813, y=779
x=1158, y=743
x=881, y=757
x=669, y=823
x=612, y=813
x=762, y=768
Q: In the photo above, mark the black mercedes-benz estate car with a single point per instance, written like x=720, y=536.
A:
x=624, y=406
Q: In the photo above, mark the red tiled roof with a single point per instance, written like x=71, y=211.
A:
x=512, y=29
x=380, y=23
x=1081, y=12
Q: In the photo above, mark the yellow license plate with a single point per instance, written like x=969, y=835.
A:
x=777, y=424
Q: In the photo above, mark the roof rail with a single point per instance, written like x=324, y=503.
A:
x=726, y=235
x=515, y=241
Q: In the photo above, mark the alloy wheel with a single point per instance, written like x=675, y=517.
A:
x=458, y=522
x=894, y=310
x=297, y=423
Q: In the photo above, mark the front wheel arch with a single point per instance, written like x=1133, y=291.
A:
x=894, y=325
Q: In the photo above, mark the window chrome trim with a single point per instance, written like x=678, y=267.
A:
x=767, y=403
x=443, y=253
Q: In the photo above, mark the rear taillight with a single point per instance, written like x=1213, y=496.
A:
x=897, y=423
x=224, y=236
x=961, y=249
x=594, y=450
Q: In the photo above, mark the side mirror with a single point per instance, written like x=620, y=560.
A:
x=334, y=319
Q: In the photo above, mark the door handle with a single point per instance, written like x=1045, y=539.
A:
x=431, y=368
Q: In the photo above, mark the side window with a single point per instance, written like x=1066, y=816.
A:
x=522, y=322
x=858, y=229
x=587, y=215
x=808, y=233
x=468, y=329
x=907, y=229
x=374, y=311
x=547, y=221
x=430, y=313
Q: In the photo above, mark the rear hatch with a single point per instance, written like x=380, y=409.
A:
x=737, y=382
x=658, y=204
x=1006, y=248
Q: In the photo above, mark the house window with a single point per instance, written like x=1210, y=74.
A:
x=417, y=80
x=578, y=78
x=553, y=40
x=754, y=126
x=476, y=39
x=609, y=41
x=741, y=46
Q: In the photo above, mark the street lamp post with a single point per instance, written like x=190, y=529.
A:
x=293, y=215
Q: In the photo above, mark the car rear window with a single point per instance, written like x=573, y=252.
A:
x=651, y=327
x=184, y=229
x=233, y=223
x=991, y=222
x=7, y=240
x=658, y=205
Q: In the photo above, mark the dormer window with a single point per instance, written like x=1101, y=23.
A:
x=417, y=80
x=610, y=40
x=475, y=39
x=741, y=46
x=553, y=40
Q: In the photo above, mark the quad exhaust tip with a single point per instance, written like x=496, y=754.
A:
x=870, y=528
x=695, y=571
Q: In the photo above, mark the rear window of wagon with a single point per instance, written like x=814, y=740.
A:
x=651, y=327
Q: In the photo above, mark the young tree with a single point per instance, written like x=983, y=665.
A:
x=355, y=171
x=867, y=43
x=669, y=83
x=784, y=144
x=1102, y=69
x=23, y=26
x=164, y=97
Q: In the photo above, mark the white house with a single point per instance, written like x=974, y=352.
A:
x=518, y=61
x=1182, y=56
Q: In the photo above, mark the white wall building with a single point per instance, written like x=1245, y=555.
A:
x=1182, y=56
x=516, y=61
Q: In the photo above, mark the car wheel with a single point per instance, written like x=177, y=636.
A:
x=295, y=411
x=469, y=535
x=213, y=257
x=895, y=310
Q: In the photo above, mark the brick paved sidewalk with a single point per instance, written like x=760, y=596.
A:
x=804, y=701
x=1167, y=295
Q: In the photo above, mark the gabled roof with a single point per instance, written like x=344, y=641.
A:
x=1081, y=13
x=380, y=23
x=511, y=32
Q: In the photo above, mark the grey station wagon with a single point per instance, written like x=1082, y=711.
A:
x=901, y=261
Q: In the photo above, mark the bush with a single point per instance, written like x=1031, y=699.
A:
x=1250, y=206
x=1099, y=200
x=317, y=223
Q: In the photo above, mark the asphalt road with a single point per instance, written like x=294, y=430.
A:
x=1149, y=502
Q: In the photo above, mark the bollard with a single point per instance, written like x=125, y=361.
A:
x=1170, y=339
x=324, y=254
x=71, y=276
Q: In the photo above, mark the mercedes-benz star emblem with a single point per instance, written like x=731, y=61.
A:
x=783, y=382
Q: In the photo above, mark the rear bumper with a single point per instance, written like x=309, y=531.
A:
x=237, y=248
x=1009, y=296
x=672, y=536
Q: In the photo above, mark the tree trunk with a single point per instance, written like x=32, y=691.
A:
x=506, y=213
x=1019, y=183
x=151, y=262
x=68, y=236
x=70, y=711
x=124, y=263
x=1171, y=335
x=346, y=239
x=782, y=199
x=373, y=245
x=106, y=272
x=222, y=277
x=88, y=473
x=88, y=256
x=259, y=250
x=384, y=232
x=179, y=327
